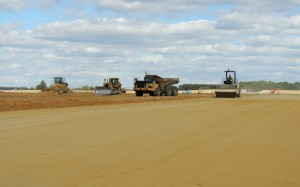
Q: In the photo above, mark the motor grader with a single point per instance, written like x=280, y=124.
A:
x=111, y=86
x=155, y=85
x=58, y=85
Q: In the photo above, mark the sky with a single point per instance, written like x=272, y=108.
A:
x=195, y=40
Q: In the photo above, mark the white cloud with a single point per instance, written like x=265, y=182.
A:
x=47, y=3
x=12, y=5
x=259, y=45
x=171, y=7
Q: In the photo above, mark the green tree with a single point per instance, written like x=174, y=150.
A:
x=42, y=85
x=86, y=87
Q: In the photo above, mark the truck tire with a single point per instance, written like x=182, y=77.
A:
x=168, y=91
x=174, y=91
x=151, y=93
x=157, y=92
x=138, y=93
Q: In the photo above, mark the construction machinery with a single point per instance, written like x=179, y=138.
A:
x=275, y=91
x=111, y=86
x=156, y=86
x=230, y=86
x=58, y=85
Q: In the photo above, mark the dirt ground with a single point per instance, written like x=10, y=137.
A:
x=249, y=141
x=28, y=101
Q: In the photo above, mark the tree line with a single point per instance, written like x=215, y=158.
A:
x=249, y=86
x=269, y=85
x=196, y=86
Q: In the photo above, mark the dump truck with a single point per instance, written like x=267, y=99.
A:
x=111, y=86
x=58, y=85
x=155, y=85
x=230, y=86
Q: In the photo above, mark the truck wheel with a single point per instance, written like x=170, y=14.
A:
x=168, y=91
x=157, y=92
x=174, y=91
x=151, y=93
x=139, y=93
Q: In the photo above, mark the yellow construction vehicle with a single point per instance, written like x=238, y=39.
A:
x=58, y=85
x=156, y=86
x=111, y=86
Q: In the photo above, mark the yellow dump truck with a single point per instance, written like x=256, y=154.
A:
x=155, y=85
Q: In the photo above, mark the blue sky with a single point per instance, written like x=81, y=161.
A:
x=196, y=40
x=33, y=15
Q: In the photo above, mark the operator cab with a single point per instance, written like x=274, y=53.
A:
x=110, y=81
x=230, y=77
x=151, y=78
x=59, y=80
x=114, y=81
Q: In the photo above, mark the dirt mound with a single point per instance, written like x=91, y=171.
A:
x=25, y=101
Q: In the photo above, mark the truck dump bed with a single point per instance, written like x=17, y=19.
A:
x=167, y=80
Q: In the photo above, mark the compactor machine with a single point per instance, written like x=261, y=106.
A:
x=156, y=86
x=111, y=86
x=230, y=86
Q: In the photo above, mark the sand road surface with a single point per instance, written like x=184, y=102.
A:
x=252, y=141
